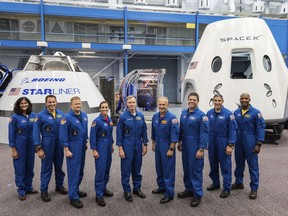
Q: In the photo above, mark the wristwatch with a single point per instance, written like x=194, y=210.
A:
x=171, y=149
x=145, y=144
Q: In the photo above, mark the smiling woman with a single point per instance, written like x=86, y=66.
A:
x=21, y=143
x=101, y=142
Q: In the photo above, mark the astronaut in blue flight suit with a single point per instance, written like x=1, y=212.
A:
x=21, y=143
x=250, y=135
x=131, y=139
x=165, y=132
x=48, y=148
x=73, y=137
x=101, y=143
x=222, y=136
x=120, y=105
x=193, y=139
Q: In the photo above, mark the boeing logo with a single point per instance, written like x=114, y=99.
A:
x=43, y=80
x=240, y=38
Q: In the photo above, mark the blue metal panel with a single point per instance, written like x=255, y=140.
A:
x=164, y=49
x=99, y=47
x=42, y=24
x=107, y=47
x=207, y=19
x=125, y=26
x=64, y=45
x=83, y=12
x=19, y=7
x=18, y=44
x=78, y=46
x=197, y=30
x=276, y=22
x=279, y=29
x=125, y=42
x=60, y=45
x=160, y=17
x=61, y=10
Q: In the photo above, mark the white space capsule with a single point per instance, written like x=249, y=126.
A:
x=235, y=56
x=43, y=75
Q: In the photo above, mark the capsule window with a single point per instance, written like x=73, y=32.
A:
x=241, y=66
x=267, y=63
x=216, y=64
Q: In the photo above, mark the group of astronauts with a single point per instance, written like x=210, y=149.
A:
x=219, y=131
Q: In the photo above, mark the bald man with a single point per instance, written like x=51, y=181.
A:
x=250, y=135
x=165, y=132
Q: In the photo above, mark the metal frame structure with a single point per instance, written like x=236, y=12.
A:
x=131, y=80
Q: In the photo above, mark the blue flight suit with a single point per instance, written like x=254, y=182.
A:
x=120, y=105
x=48, y=127
x=251, y=129
x=222, y=132
x=131, y=133
x=73, y=134
x=20, y=137
x=165, y=130
x=101, y=139
x=194, y=134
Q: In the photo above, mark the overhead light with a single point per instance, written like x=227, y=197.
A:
x=86, y=45
x=42, y=44
x=86, y=52
x=190, y=25
x=126, y=47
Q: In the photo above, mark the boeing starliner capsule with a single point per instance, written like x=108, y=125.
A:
x=235, y=56
x=52, y=74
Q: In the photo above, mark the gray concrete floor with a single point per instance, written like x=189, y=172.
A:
x=272, y=195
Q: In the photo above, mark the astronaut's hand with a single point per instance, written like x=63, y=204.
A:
x=95, y=154
x=179, y=146
x=153, y=147
x=68, y=153
x=257, y=149
x=15, y=154
x=121, y=152
x=144, y=150
x=41, y=154
x=200, y=153
x=229, y=149
x=170, y=153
